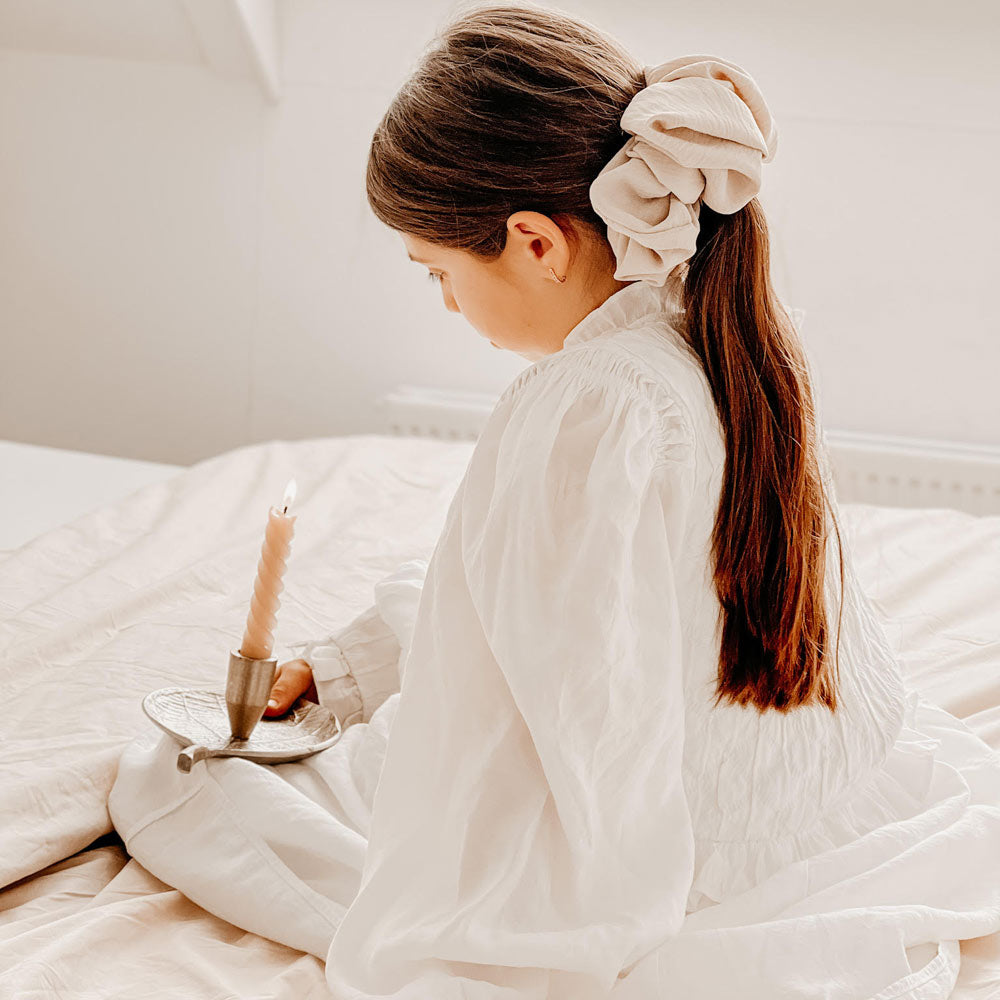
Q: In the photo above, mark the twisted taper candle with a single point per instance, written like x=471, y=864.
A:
x=258, y=638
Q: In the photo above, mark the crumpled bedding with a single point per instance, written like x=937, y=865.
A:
x=153, y=591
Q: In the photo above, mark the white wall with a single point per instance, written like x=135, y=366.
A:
x=186, y=267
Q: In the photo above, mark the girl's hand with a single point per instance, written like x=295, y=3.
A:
x=292, y=680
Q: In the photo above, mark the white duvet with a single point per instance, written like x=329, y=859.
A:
x=145, y=593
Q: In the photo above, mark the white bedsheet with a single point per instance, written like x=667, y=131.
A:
x=153, y=591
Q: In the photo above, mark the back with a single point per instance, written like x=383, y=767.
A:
x=767, y=788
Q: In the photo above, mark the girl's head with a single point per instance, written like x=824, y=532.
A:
x=484, y=164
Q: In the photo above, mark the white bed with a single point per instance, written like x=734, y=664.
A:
x=42, y=487
x=147, y=584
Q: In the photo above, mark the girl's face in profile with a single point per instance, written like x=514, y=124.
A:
x=514, y=301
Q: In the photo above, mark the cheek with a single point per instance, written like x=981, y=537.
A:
x=489, y=308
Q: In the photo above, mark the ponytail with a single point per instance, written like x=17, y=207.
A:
x=769, y=543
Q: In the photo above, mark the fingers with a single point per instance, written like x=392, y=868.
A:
x=292, y=680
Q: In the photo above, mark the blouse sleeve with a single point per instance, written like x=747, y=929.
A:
x=358, y=666
x=531, y=836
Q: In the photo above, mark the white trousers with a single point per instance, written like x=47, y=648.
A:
x=275, y=849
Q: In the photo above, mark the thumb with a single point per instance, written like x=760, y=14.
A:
x=284, y=691
x=279, y=701
x=281, y=697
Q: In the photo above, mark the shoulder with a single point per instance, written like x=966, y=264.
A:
x=602, y=383
x=590, y=428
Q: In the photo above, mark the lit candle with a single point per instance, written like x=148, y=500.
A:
x=258, y=639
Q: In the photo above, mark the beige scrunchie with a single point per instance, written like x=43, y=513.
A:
x=700, y=132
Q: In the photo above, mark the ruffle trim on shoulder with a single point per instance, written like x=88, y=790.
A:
x=898, y=789
x=602, y=366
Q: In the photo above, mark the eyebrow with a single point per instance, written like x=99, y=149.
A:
x=417, y=260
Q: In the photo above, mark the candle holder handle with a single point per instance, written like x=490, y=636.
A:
x=190, y=756
x=248, y=686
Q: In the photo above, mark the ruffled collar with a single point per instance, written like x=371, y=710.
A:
x=628, y=304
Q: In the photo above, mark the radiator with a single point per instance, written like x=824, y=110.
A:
x=867, y=468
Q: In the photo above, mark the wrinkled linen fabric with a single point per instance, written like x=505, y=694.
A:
x=557, y=810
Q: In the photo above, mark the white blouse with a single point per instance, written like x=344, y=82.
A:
x=561, y=813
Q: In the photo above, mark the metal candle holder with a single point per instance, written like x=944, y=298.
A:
x=207, y=723
x=248, y=686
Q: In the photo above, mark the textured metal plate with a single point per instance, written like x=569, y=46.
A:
x=198, y=717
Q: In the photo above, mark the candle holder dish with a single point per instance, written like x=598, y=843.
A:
x=201, y=721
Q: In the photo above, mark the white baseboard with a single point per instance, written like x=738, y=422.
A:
x=867, y=468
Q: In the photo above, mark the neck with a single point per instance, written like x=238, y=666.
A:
x=588, y=292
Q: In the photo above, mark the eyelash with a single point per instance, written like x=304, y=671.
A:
x=431, y=276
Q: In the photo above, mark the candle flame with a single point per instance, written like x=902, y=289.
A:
x=290, y=491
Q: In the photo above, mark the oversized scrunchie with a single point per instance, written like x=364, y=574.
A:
x=700, y=130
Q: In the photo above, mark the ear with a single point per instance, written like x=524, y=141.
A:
x=538, y=243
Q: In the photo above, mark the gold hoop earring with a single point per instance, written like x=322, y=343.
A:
x=556, y=276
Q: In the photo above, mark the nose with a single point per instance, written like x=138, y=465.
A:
x=449, y=302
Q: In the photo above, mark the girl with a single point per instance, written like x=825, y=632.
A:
x=634, y=730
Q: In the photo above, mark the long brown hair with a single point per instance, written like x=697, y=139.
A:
x=518, y=107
